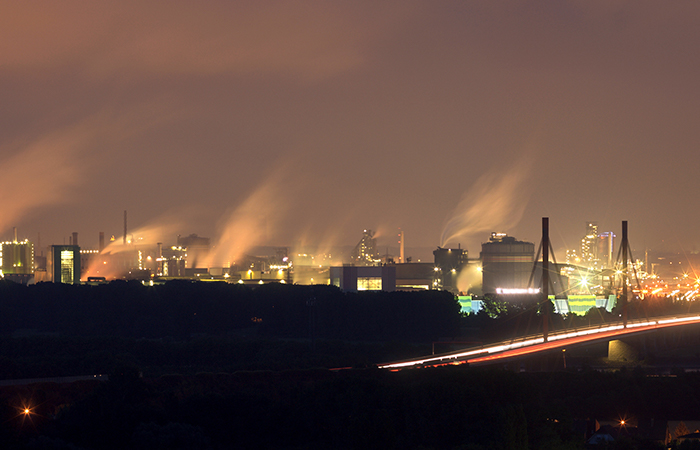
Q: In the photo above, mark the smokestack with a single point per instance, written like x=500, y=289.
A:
x=401, y=247
x=159, y=264
x=102, y=241
x=75, y=238
x=124, y=227
x=14, y=232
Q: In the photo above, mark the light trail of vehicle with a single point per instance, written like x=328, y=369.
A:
x=530, y=345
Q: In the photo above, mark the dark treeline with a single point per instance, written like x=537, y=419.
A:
x=59, y=356
x=507, y=317
x=182, y=309
x=54, y=330
x=444, y=408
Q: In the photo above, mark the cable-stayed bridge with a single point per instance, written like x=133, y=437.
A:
x=505, y=351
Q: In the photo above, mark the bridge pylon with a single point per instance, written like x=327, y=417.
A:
x=545, y=249
x=625, y=266
x=545, y=277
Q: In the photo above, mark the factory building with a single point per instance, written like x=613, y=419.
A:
x=64, y=264
x=171, y=261
x=364, y=278
x=507, y=264
x=197, y=249
x=365, y=252
x=448, y=263
x=17, y=261
x=414, y=276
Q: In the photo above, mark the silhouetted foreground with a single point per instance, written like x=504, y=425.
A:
x=444, y=408
x=182, y=309
x=185, y=364
x=56, y=356
x=51, y=330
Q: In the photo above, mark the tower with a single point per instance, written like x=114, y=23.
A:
x=589, y=247
x=65, y=264
x=365, y=252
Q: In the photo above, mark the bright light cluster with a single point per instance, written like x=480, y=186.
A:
x=517, y=291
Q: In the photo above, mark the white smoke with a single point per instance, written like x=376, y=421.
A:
x=252, y=223
x=496, y=202
x=41, y=172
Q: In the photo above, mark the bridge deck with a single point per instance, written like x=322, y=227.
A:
x=527, y=345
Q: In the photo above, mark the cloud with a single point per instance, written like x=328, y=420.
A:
x=307, y=39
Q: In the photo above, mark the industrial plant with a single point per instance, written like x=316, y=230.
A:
x=506, y=266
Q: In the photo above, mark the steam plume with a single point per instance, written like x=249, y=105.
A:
x=52, y=164
x=250, y=224
x=496, y=202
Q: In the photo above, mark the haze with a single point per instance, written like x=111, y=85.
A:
x=311, y=121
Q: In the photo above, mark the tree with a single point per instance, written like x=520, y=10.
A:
x=681, y=430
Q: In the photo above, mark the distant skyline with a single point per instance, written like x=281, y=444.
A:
x=285, y=123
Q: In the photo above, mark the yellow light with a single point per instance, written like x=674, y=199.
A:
x=27, y=411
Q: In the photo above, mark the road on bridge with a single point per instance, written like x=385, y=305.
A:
x=506, y=350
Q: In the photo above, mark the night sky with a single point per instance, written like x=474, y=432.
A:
x=286, y=123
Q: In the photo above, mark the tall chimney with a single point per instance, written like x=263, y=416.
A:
x=102, y=241
x=159, y=264
x=401, y=247
x=124, y=227
x=75, y=238
x=14, y=232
